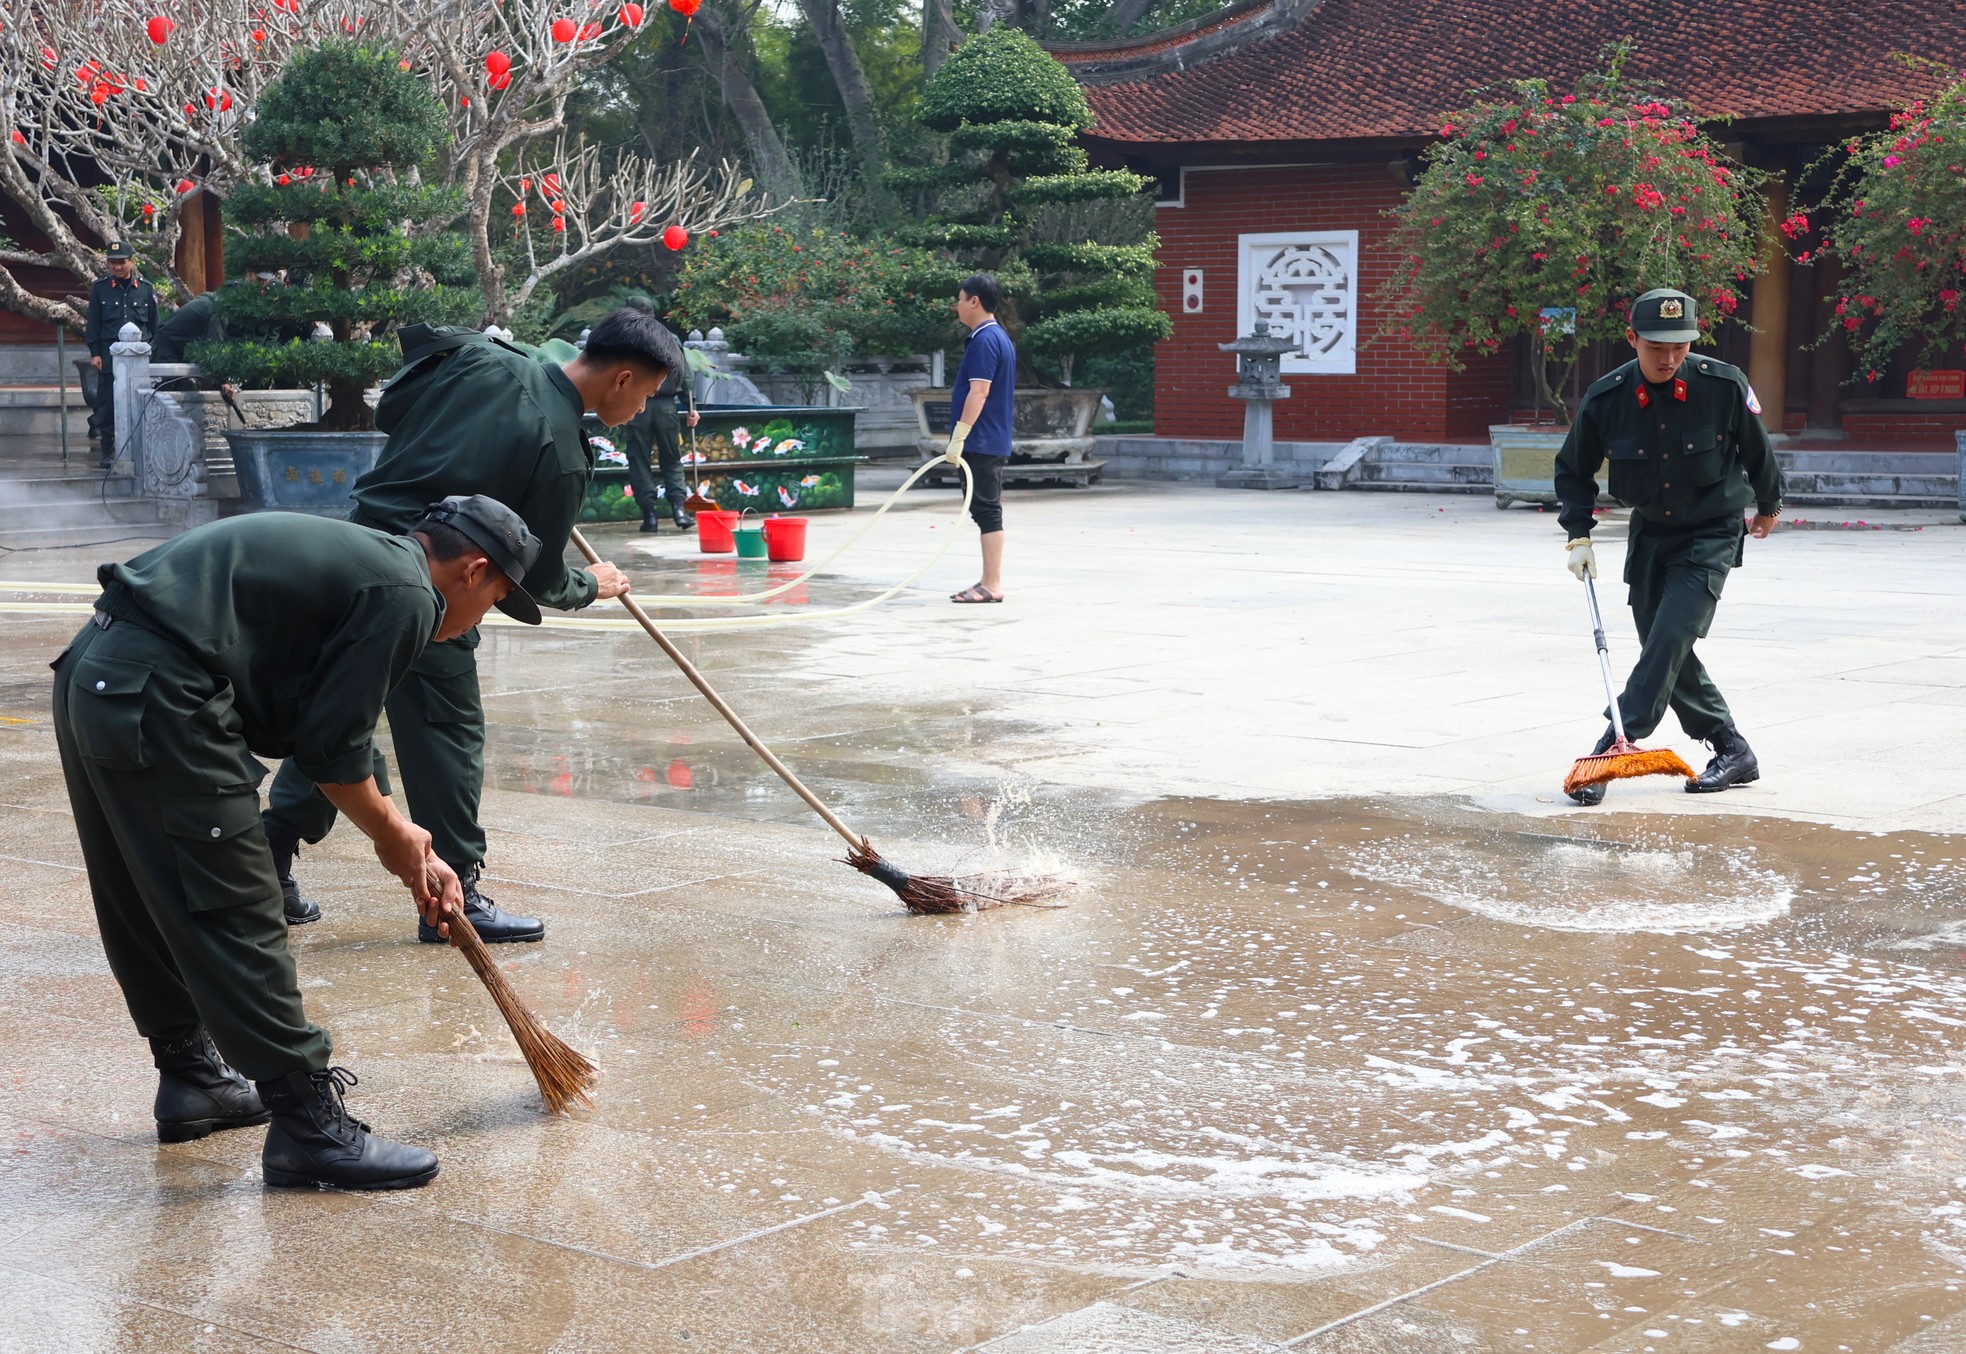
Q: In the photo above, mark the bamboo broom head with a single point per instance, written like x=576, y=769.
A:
x=564, y=1075
x=1627, y=764
x=943, y=895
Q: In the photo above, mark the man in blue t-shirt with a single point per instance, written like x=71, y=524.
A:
x=979, y=406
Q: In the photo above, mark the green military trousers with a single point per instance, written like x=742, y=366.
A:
x=1676, y=576
x=166, y=801
x=437, y=723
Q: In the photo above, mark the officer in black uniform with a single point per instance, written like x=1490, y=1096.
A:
x=114, y=301
x=268, y=635
x=1688, y=454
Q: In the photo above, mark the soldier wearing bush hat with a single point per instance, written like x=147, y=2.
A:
x=1688, y=454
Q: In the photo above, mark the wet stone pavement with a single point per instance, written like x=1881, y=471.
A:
x=1431, y=1064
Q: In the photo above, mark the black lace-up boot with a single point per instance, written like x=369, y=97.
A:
x=314, y=1140
x=1733, y=763
x=197, y=1094
x=494, y=925
x=299, y=910
x=1590, y=796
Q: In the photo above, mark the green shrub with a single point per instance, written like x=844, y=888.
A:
x=1012, y=191
x=338, y=134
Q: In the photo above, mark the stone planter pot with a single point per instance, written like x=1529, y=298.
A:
x=1525, y=463
x=1959, y=440
x=301, y=471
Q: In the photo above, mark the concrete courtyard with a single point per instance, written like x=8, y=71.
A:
x=1354, y=1036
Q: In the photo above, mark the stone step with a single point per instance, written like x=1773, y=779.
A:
x=1408, y=486
x=1870, y=462
x=1824, y=484
x=1433, y=453
x=35, y=411
x=34, y=492
x=1949, y=499
x=1373, y=471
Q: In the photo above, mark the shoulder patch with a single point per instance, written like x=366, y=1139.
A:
x=1754, y=403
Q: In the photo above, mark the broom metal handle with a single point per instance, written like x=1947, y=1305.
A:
x=1604, y=657
x=751, y=740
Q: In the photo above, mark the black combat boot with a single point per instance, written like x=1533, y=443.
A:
x=651, y=521
x=1733, y=763
x=316, y=1141
x=299, y=910
x=197, y=1094
x=1590, y=796
x=493, y=925
x=680, y=515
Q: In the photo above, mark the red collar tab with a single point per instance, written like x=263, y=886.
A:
x=1644, y=395
x=1679, y=390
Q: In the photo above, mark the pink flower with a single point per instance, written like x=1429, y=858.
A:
x=1892, y=161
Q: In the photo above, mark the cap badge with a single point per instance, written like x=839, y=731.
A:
x=1672, y=308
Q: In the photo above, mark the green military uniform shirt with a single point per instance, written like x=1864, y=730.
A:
x=196, y=319
x=488, y=419
x=1687, y=452
x=113, y=304
x=311, y=620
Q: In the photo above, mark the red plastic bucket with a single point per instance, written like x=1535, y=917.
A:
x=713, y=531
x=785, y=539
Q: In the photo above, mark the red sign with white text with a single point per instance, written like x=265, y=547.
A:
x=1936, y=385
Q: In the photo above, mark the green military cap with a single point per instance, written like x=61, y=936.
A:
x=120, y=249
x=1666, y=316
x=504, y=537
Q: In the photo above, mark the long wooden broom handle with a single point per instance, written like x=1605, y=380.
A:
x=751, y=740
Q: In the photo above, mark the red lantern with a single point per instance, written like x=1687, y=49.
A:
x=559, y=223
x=551, y=183
x=588, y=32
x=185, y=186
x=149, y=210
x=497, y=63
x=636, y=211
x=464, y=100
x=99, y=95
x=686, y=8
x=290, y=6
x=518, y=209
x=525, y=185
x=631, y=16
x=140, y=85
x=284, y=180
x=87, y=71
x=557, y=205
x=159, y=28
x=675, y=237
x=219, y=99
x=259, y=35
x=564, y=30
x=500, y=80
x=17, y=138
x=189, y=111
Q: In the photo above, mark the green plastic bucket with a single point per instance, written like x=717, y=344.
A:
x=750, y=539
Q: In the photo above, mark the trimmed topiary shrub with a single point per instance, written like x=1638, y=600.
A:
x=340, y=133
x=1014, y=196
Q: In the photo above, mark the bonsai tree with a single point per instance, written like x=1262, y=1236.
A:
x=1898, y=223
x=1545, y=214
x=339, y=135
x=1016, y=198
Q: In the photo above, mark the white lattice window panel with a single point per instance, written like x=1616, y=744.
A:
x=1303, y=284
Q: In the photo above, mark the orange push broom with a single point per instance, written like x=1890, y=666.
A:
x=1622, y=760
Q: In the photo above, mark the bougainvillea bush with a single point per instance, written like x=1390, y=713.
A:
x=1579, y=201
x=1896, y=216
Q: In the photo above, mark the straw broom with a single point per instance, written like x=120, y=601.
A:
x=1623, y=760
x=928, y=895
x=564, y=1075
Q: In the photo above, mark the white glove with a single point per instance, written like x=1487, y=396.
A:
x=1583, y=559
x=954, y=454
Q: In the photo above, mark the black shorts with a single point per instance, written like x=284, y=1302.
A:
x=986, y=499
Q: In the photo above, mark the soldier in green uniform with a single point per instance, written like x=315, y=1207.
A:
x=114, y=301
x=469, y=414
x=202, y=318
x=1688, y=454
x=272, y=635
x=656, y=434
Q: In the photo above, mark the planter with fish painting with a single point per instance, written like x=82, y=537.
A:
x=767, y=457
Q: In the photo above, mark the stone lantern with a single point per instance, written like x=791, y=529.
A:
x=1259, y=361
